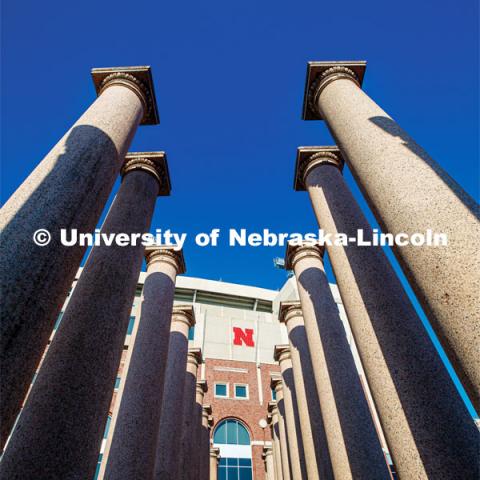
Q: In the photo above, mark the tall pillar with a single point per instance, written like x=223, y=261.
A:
x=188, y=421
x=170, y=431
x=204, y=444
x=315, y=446
x=60, y=429
x=353, y=444
x=402, y=366
x=272, y=418
x=409, y=193
x=295, y=444
x=196, y=451
x=214, y=458
x=67, y=190
x=268, y=460
x=277, y=385
x=132, y=452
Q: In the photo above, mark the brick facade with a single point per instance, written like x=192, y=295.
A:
x=249, y=411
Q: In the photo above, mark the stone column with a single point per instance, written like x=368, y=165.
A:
x=409, y=193
x=204, y=444
x=295, y=444
x=272, y=418
x=214, y=458
x=277, y=385
x=170, y=431
x=353, y=444
x=61, y=427
x=269, y=466
x=402, y=366
x=188, y=420
x=132, y=452
x=67, y=190
x=196, y=451
x=315, y=446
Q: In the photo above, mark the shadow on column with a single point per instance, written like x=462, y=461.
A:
x=392, y=128
x=298, y=338
x=288, y=379
x=33, y=294
x=356, y=421
x=419, y=376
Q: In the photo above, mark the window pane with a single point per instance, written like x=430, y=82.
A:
x=241, y=391
x=243, y=436
x=220, y=435
x=244, y=462
x=274, y=394
x=131, y=323
x=223, y=461
x=191, y=333
x=245, y=474
x=232, y=462
x=117, y=382
x=222, y=473
x=232, y=473
x=107, y=427
x=232, y=437
x=220, y=390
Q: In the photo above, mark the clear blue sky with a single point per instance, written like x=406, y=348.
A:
x=229, y=79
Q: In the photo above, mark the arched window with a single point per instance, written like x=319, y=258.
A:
x=233, y=440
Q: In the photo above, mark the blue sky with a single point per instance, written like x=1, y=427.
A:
x=229, y=79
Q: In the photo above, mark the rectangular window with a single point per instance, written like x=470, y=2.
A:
x=274, y=394
x=117, y=383
x=131, y=323
x=241, y=392
x=191, y=333
x=221, y=390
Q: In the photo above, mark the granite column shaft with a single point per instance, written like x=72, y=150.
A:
x=269, y=465
x=277, y=455
x=295, y=444
x=196, y=432
x=277, y=385
x=185, y=457
x=133, y=448
x=214, y=456
x=354, y=447
x=410, y=193
x=59, y=432
x=67, y=190
x=170, y=428
x=403, y=368
x=315, y=446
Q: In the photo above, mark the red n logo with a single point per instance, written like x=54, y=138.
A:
x=243, y=336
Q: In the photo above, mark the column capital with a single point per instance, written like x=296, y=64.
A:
x=201, y=387
x=206, y=411
x=267, y=451
x=184, y=313
x=320, y=74
x=311, y=157
x=137, y=79
x=289, y=310
x=194, y=356
x=281, y=353
x=154, y=163
x=276, y=383
x=215, y=452
x=166, y=254
x=295, y=253
x=272, y=409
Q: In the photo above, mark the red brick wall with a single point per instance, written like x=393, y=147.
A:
x=248, y=411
